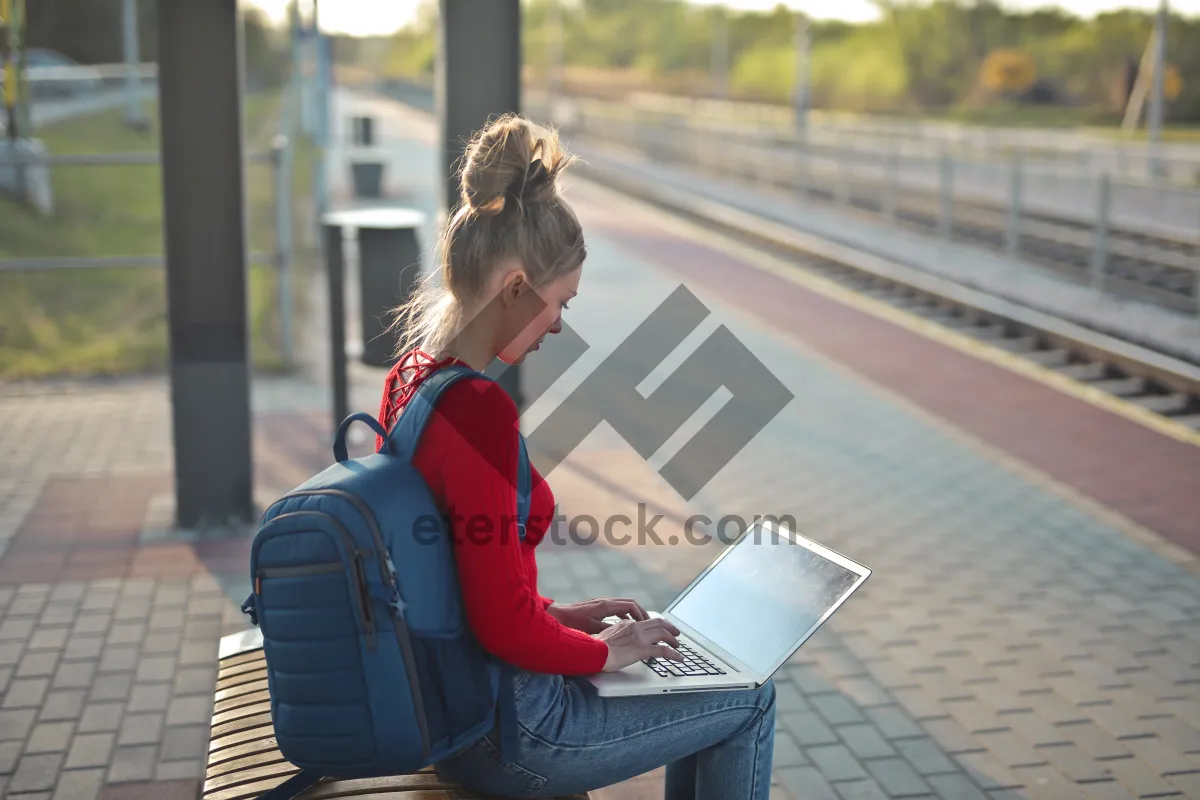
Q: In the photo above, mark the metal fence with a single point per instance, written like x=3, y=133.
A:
x=1126, y=237
x=277, y=254
x=1065, y=148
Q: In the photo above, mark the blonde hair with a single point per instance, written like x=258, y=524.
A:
x=510, y=208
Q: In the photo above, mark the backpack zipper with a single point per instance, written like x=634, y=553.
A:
x=298, y=571
x=362, y=508
x=301, y=570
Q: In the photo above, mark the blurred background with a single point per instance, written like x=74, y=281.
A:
x=939, y=98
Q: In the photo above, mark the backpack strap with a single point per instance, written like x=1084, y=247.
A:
x=524, y=479
x=298, y=783
x=506, y=710
x=406, y=433
x=404, y=437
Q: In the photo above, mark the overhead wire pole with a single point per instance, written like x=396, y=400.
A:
x=720, y=52
x=1154, y=127
x=129, y=36
x=321, y=118
x=554, y=60
x=802, y=78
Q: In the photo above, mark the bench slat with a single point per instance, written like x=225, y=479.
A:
x=244, y=701
x=239, y=725
x=263, y=745
x=252, y=733
x=280, y=770
x=241, y=658
x=260, y=759
x=241, y=689
x=241, y=680
x=224, y=672
x=253, y=708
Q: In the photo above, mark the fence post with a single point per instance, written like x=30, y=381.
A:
x=945, y=222
x=1196, y=273
x=1013, y=238
x=891, y=185
x=281, y=162
x=1100, y=243
x=806, y=165
x=842, y=187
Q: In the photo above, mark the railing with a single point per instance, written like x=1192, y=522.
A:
x=1086, y=150
x=1125, y=237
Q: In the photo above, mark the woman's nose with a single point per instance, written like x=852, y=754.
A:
x=557, y=326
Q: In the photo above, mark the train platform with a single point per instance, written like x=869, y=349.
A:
x=1031, y=630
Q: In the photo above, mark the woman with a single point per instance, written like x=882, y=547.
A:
x=511, y=258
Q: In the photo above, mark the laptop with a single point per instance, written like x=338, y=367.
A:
x=745, y=615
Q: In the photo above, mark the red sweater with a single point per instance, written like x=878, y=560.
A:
x=468, y=456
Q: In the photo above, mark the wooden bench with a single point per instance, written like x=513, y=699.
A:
x=244, y=762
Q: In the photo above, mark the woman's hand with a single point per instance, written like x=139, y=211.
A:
x=632, y=641
x=589, y=615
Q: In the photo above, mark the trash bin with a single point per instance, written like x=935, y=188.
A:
x=389, y=265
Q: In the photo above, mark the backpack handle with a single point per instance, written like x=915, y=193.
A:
x=339, y=440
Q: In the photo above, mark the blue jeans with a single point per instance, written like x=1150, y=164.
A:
x=716, y=745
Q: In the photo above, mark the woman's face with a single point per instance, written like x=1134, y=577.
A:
x=534, y=313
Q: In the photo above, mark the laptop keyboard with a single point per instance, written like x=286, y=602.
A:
x=693, y=663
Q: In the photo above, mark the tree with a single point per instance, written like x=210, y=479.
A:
x=1008, y=72
x=1172, y=83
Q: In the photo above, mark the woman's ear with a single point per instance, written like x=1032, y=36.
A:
x=515, y=286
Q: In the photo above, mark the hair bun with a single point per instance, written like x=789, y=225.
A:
x=511, y=159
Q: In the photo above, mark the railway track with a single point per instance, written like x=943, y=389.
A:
x=1158, y=386
x=1160, y=269
x=1138, y=266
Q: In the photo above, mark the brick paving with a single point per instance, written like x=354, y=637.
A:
x=1014, y=641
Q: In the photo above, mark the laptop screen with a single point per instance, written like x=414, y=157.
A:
x=760, y=599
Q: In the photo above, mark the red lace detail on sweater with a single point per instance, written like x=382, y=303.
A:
x=402, y=381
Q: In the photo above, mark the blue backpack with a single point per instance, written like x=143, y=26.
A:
x=371, y=665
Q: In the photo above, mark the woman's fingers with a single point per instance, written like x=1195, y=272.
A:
x=664, y=651
x=659, y=622
x=635, y=609
x=624, y=608
x=651, y=633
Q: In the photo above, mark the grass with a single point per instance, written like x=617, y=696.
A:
x=108, y=321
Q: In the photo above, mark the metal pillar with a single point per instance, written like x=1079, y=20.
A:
x=802, y=77
x=200, y=110
x=554, y=59
x=720, y=52
x=478, y=77
x=1154, y=126
x=335, y=272
x=129, y=35
x=321, y=115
